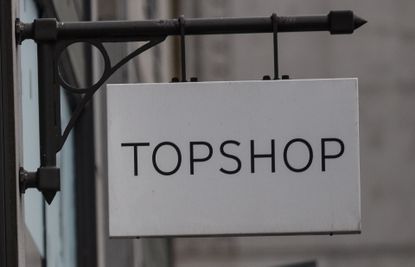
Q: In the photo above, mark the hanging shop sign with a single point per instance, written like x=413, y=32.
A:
x=233, y=158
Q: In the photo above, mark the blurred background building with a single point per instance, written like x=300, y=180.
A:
x=73, y=230
x=380, y=55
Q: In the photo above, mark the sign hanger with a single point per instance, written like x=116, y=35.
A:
x=53, y=37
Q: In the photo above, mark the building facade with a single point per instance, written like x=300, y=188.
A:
x=380, y=55
x=72, y=231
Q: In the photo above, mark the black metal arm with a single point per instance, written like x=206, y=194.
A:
x=336, y=22
x=53, y=37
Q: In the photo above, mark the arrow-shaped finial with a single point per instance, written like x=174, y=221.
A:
x=49, y=196
x=341, y=22
x=358, y=22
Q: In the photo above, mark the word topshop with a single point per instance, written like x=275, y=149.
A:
x=172, y=150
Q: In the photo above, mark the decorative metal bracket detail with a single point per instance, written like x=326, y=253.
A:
x=90, y=91
x=53, y=37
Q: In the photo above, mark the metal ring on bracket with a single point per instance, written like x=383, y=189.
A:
x=106, y=73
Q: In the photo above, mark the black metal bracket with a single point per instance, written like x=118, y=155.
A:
x=53, y=37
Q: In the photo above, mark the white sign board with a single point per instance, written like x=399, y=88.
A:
x=233, y=158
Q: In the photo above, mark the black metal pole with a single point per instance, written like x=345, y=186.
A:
x=336, y=22
x=274, y=19
x=10, y=247
x=182, y=48
x=47, y=105
x=49, y=120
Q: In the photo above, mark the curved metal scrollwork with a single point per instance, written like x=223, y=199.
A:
x=88, y=92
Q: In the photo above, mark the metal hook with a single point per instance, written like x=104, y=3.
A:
x=274, y=21
x=182, y=47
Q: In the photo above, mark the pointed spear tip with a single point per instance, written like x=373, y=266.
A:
x=49, y=196
x=358, y=22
